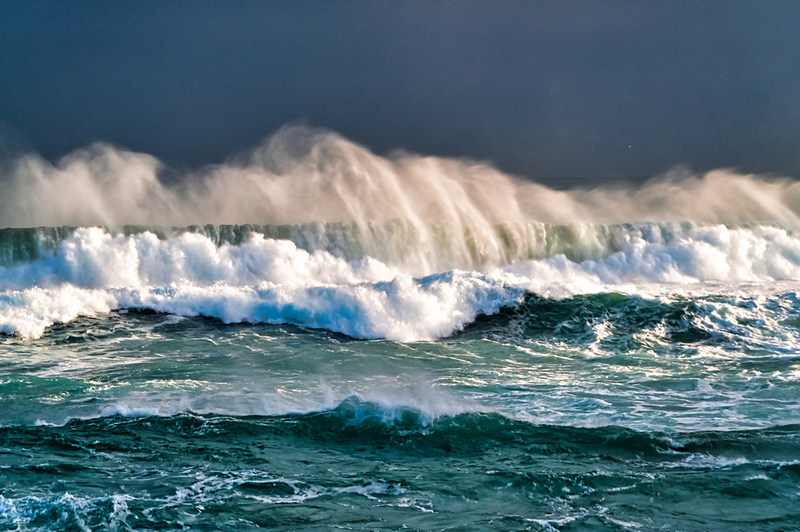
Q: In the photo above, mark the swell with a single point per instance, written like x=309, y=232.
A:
x=575, y=320
x=435, y=247
x=375, y=281
x=339, y=469
x=355, y=423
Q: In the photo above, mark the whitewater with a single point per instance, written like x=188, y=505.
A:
x=312, y=336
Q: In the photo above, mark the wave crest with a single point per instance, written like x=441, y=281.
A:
x=397, y=295
x=303, y=175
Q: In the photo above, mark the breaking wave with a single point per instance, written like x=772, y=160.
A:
x=402, y=247
x=334, y=285
x=302, y=175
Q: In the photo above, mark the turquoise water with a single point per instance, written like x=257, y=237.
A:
x=593, y=412
x=314, y=337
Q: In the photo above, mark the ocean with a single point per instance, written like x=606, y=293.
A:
x=315, y=337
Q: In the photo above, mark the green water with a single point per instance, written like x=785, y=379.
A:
x=603, y=412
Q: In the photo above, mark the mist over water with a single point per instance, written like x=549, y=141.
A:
x=313, y=336
x=313, y=230
x=302, y=174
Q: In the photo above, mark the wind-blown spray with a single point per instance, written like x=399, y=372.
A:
x=314, y=230
x=307, y=175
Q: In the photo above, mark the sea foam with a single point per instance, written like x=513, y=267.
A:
x=402, y=247
x=265, y=280
x=261, y=281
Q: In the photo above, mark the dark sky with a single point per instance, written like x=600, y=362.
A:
x=563, y=92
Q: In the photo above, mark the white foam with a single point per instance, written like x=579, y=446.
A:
x=30, y=311
x=699, y=253
x=123, y=409
x=72, y=511
x=263, y=280
x=706, y=461
x=454, y=215
x=273, y=281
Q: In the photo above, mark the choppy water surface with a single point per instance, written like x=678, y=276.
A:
x=451, y=349
x=603, y=411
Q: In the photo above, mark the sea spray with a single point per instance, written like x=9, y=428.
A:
x=626, y=358
x=394, y=296
x=312, y=336
x=305, y=175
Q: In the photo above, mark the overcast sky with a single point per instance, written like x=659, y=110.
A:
x=563, y=92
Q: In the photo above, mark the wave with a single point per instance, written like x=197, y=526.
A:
x=226, y=472
x=356, y=422
x=237, y=274
x=396, y=242
x=303, y=175
x=313, y=230
x=440, y=247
